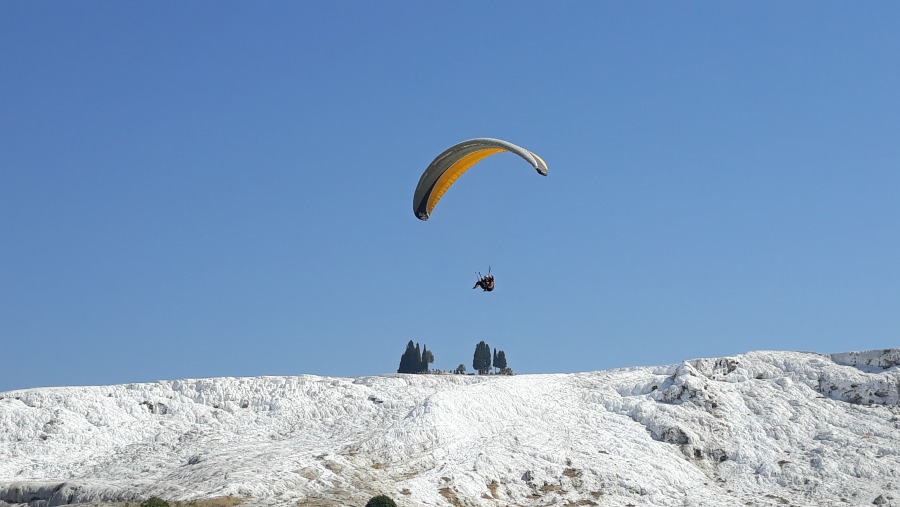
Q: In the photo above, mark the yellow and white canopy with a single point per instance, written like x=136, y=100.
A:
x=450, y=164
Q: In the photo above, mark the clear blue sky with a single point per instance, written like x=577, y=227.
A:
x=197, y=189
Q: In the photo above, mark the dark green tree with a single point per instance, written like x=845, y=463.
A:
x=411, y=360
x=461, y=369
x=427, y=358
x=499, y=359
x=380, y=501
x=481, y=361
x=477, y=359
x=415, y=359
x=154, y=501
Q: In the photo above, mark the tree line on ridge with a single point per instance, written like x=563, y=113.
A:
x=417, y=360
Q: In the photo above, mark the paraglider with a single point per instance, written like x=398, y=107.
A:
x=486, y=282
x=449, y=165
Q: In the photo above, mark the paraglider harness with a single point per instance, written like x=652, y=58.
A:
x=486, y=282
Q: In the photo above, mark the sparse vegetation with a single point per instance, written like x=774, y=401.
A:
x=154, y=501
x=451, y=497
x=581, y=502
x=219, y=501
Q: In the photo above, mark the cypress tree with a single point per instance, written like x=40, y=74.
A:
x=481, y=362
x=500, y=360
x=414, y=361
x=476, y=359
x=411, y=360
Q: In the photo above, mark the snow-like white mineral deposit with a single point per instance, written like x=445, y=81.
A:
x=762, y=428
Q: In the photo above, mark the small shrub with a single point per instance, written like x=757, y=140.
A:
x=381, y=501
x=154, y=501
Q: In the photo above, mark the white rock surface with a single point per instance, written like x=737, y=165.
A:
x=762, y=428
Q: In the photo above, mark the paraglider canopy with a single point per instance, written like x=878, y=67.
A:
x=449, y=165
